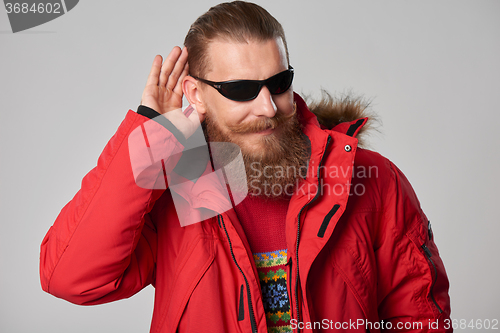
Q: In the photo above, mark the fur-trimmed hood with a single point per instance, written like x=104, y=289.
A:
x=331, y=111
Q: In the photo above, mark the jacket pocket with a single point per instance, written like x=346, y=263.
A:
x=428, y=254
x=421, y=236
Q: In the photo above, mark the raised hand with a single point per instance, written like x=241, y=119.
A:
x=163, y=91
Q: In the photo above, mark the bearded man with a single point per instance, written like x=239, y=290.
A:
x=328, y=236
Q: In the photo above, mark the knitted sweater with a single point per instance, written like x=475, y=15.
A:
x=263, y=221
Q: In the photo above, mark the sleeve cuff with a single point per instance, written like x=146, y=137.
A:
x=153, y=115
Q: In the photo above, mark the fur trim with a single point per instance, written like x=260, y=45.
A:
x=332, y=111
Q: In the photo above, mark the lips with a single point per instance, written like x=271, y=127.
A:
x=260, y=126
x=266, y=131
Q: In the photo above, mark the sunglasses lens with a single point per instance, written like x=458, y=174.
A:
x=280, y=83
x=240, y=91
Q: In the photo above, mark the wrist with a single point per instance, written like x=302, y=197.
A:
x=162, y=120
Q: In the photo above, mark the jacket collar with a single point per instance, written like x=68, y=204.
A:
x=329, y=148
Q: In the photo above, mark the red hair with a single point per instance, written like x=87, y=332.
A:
x=236, y=21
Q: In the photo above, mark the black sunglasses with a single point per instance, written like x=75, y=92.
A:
x=246, y=90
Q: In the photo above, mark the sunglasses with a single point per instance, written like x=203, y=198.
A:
x=246, y=90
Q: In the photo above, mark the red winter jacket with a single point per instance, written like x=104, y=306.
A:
x=361, y=254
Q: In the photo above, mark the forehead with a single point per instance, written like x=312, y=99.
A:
x=253, y=60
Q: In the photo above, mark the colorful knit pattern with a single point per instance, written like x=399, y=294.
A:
x=273, y=277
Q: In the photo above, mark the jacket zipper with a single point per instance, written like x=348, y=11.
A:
x=289, y=278
x=428, y=254
x=249, y=296
x=298, y=233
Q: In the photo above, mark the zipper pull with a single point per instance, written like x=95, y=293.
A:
x=429, y=229
x=427, y=251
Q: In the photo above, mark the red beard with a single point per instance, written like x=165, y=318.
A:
x=274, y=170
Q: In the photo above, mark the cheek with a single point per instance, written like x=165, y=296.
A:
x=230, y=113
x=284, y=102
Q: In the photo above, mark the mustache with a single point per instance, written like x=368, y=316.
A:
x=263, y=124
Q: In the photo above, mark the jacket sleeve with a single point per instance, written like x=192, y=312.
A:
x=102, y=246
x=412, y=281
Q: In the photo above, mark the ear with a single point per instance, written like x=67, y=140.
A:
x=193, y=94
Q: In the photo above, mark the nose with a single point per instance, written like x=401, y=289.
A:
x=264, y=104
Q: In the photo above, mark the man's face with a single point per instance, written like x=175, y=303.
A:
x=243, y=123
x=266, y=128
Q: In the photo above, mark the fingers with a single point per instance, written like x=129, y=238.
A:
x=155, y=71
x=168, y=65
x=178, y=86
x=171, y=73
x=178, y=70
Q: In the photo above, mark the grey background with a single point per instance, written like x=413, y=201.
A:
x=431, y=68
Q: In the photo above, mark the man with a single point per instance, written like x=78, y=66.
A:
x=329, y=236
